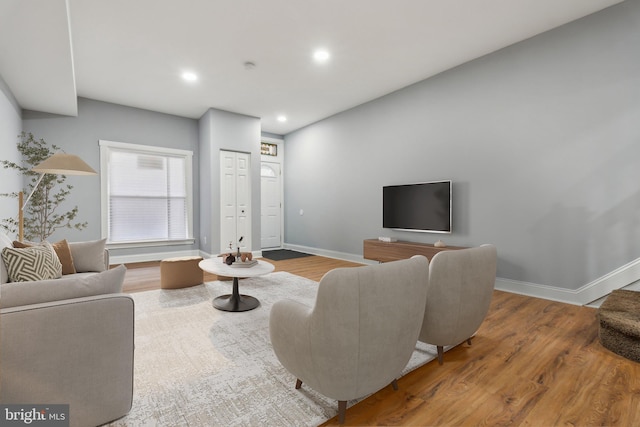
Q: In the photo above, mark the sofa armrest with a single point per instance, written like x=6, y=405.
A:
x=77, y=352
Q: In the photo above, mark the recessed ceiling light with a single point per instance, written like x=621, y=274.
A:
x=189, y=76
x=282, y=118
x=321, y=55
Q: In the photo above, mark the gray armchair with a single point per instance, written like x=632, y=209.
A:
x=461, y=285
x=359, y=335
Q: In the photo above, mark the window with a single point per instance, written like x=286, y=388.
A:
x=146, y=194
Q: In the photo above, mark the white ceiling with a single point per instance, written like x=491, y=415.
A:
x=132, y=52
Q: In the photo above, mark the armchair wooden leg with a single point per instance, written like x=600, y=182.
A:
x=440, y=354
x=342, y=409
x=298, y=383
x=394, y=384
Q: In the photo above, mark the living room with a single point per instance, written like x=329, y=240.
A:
x=539, y=139
x=535, y=182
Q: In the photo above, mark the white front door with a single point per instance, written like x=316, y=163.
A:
x=271, y=205
x=235, y=201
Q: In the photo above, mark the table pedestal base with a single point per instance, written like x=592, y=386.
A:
x=231, y=303
x=235, y=301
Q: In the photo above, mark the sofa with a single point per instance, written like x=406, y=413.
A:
x=68, y=339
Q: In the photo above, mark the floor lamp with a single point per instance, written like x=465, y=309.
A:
x=58, y=164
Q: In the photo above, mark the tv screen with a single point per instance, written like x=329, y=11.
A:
x=422, y=207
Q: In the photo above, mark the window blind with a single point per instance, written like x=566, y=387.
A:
x=147, y=196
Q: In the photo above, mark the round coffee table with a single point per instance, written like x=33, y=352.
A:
x=235, y=301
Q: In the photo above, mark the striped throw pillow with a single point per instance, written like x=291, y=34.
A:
x=34, y=263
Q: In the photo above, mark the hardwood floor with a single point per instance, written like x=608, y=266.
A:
x=533, y=362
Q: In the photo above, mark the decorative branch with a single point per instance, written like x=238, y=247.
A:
x=41, y=217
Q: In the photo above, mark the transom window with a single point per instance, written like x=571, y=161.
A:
x=146, y=194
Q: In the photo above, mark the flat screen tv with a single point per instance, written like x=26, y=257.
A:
x=424, y=207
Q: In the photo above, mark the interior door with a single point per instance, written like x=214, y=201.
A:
x=243, y=202
x=271, y=205
x=235, y=201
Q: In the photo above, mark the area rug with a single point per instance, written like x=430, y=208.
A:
x=283, y=254
x=198, y=366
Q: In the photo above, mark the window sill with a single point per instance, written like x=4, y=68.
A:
x=149, y=243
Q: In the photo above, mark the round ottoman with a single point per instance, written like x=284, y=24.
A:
x=180, y=272
x=619, y=317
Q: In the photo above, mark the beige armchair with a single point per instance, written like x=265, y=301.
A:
x=461, y=285
x=359, y=335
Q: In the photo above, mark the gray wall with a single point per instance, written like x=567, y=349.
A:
x=10, y=128
x=223, y=130
x=101, y=120
x=207, y=205
x=541, y=140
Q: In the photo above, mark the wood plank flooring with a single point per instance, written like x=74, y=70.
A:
x=533, y=362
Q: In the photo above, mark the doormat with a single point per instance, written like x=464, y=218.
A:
x=282, y=254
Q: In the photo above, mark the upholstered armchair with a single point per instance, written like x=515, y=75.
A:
x=461, y=285
x=360, y=333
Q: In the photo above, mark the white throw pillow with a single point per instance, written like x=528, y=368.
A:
x=88, y=256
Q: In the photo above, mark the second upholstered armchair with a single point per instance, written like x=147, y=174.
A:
x=360, y=333
x=461, y=285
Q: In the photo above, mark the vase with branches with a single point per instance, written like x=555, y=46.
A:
x=42, y=216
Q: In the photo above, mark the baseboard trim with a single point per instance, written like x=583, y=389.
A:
x=537, y=291
x=584, y=295
x=619, y=278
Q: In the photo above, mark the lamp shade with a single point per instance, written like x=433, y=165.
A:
x=64, y=164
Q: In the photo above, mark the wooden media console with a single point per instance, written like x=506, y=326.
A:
x=378, y=250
